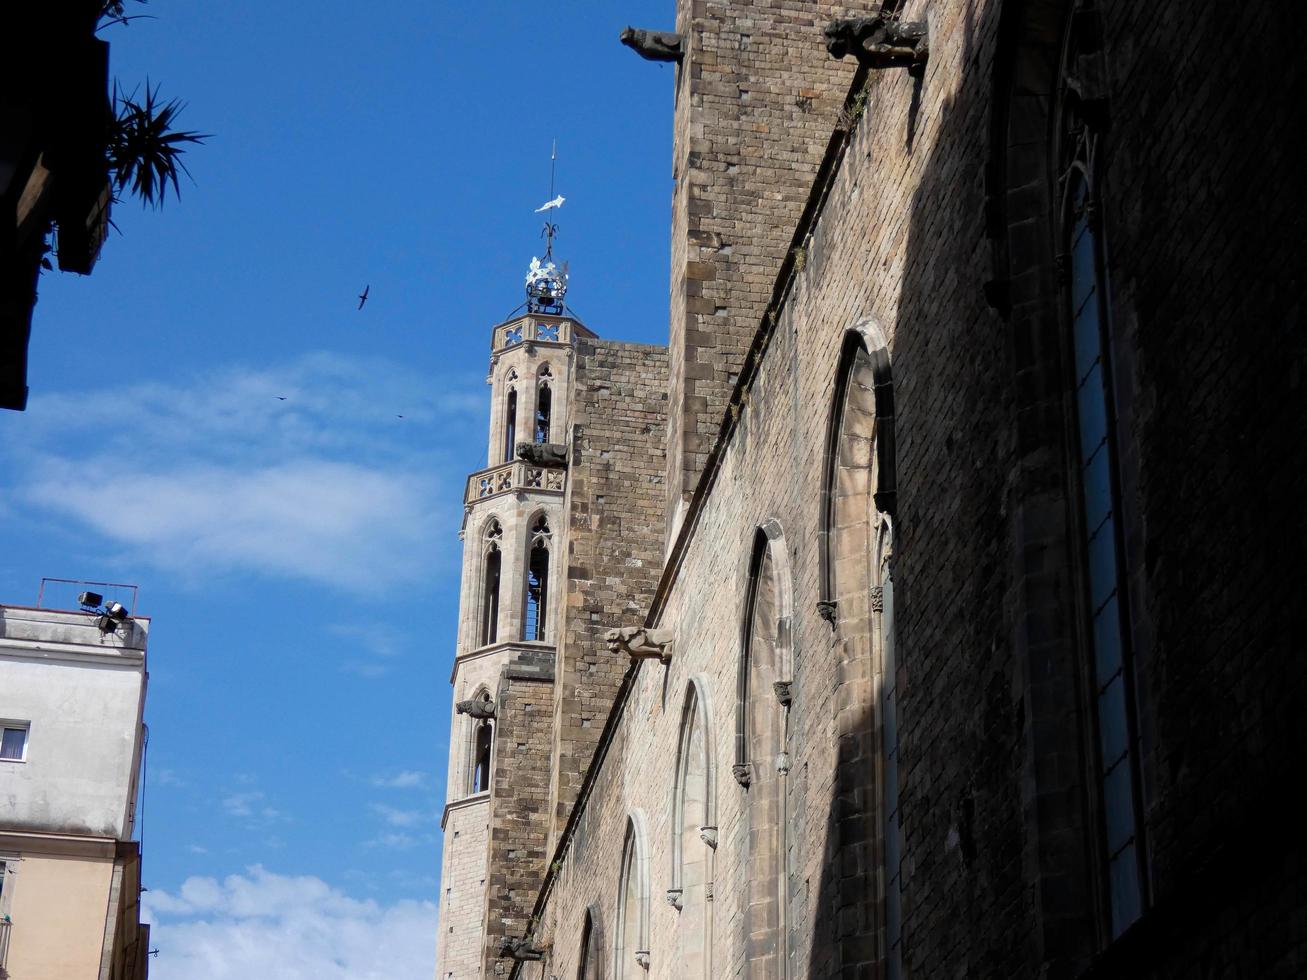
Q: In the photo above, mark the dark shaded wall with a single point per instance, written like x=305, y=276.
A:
x=939, y=226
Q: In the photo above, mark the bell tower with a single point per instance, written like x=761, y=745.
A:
x=514, y=548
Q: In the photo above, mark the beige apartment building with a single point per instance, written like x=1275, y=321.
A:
x=72, y=692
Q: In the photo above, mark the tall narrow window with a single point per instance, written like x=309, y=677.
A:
x=535, y=619
x=631, y=942
x=483, y=737
x=693, y=839
x=859, y=496
x=590, y=966
x=491, y=561
x=1101, y=547
x=510, y=425
x=544, y=405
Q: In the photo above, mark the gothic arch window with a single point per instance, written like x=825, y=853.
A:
x=631, y=942
x=859, y=496
x=590, y=964
x=694, y=835
x=762, y=760
x=491, y=567
x=481, y=742
x=544, y=411
x=510, y=424
x=1100, y=546
x=535, y=617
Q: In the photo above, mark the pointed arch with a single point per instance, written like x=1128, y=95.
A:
x=543, y=412
x=492, y=559
x=590, y=964
x=694, y=832
x=480, y=747
x=858, y=500
x=761, y=747
x=510, y=424
x=766, y=665
x=1044, y=220
x=537, y=594
x=864, y=395
x=631, y=937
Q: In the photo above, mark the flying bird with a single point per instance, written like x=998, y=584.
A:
x=555, y=203
x=363, y=296
x=281, y=398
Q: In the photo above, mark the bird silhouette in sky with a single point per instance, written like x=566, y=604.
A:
x=363, y=296
x=281, y=398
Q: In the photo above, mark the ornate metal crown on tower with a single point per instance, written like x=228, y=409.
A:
x=546, y=284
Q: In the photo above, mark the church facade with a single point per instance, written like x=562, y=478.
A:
x=927, y=607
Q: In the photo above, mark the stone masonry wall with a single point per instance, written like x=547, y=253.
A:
x=462, y=891
x=756, y=98
x=1000, y=831
x=614, y=508
x=519, y=801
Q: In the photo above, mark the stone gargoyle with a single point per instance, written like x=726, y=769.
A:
x=654, y=45
x=520, y=949
x=878, y=42
x=640, y=643
x=476, y=707
x=543, y=453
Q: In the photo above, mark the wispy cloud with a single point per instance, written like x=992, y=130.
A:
x=262, y=924
x=302, y=470
x=392, y=840
x=405, y=779
x=252, y=806
x=397, y=817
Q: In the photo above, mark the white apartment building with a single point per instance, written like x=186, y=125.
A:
x=72, y=693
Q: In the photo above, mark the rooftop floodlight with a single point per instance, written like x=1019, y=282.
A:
x=105, y=624
x=90, y=600
x=116, y=611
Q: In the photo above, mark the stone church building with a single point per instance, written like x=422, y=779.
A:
x=926, y=607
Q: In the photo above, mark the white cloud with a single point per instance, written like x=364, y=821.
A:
x=406, y=779
x=397, y=817
x=262, y=924
x=392, y=841
x=218, y=475
x=241, y=804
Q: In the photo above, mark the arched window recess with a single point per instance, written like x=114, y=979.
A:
x=510, y=425
x=590, y=965
x=631, y=942
x=491, y=568
x=535, y=618
x=481, y=741
x=1082, y=269
x=859, y=445
x=544, y=410
x=765, y=676
x=694, y=834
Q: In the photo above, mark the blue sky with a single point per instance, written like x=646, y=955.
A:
x=299, y=558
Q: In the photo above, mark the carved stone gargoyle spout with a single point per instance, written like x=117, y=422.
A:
x=543, y=453
x=520, y=949
x=640, y=643
x=477, y=708
x=878, y=42
x=654, y=45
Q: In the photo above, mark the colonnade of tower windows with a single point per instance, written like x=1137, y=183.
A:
x=541, y=417
x=535, y=611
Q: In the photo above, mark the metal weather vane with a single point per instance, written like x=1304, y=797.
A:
x=546, y=284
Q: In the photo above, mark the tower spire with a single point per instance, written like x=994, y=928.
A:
x=546, y=285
